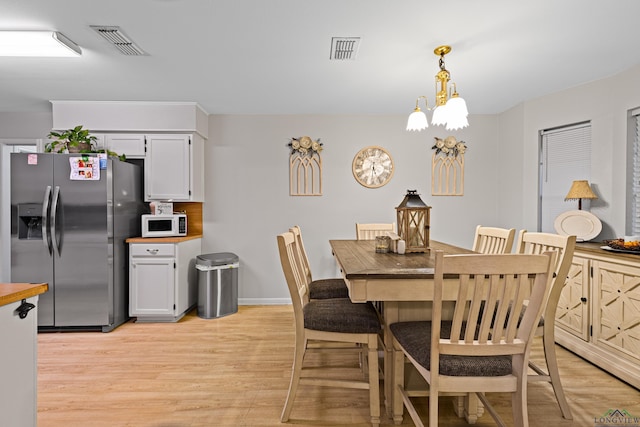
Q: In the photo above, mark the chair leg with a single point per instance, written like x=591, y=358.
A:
x=374, y=380
x=548, y=342
x=433, y=406
x=519, y=406
x=398, y=373
x=519, y=396
x=296, y=370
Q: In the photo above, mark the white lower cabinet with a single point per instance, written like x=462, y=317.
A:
x=163, y=280
x=598, y=315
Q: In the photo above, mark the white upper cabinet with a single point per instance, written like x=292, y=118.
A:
x=169, y=136
x=173, y=167
x=131, y=145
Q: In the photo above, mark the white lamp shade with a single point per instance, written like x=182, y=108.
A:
x=417, y=121
x=457, y=114
x=440, y=115
x=455, y=123
x=457, y=107
x=36, y=43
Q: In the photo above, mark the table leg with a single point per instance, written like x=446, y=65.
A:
x=468, y=407
x=391, y=315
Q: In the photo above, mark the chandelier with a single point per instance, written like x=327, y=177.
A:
x=450, y=110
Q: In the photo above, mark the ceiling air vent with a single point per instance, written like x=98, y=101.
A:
x=116, y=37
x=344, y=48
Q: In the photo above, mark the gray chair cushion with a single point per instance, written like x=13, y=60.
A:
x=328, y=288
x=415, y=338
x=341, y=315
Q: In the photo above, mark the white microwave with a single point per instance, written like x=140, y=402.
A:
x=164, y=225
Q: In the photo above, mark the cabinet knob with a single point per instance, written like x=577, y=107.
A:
x=152, y=251
x=583, y=299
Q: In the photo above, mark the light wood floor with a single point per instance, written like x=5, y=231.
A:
x=234, y=371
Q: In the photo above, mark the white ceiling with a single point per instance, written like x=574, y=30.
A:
x=272, y=56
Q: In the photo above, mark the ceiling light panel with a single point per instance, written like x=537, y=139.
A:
x=344, y=48
x=37, y=43
x=117, y=38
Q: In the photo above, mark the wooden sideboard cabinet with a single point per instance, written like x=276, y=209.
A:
x=598, y=315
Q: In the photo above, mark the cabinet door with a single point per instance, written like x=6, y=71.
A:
x=572, y=313
x=168, y=167
x=616, y=311
x=131, y=145
x=151, y=286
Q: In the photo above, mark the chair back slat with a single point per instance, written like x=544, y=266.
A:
x=502, y=304
x=493, y=240
x=463, y=304
x=371, y=231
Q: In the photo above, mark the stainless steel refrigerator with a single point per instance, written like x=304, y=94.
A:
x=70, y=216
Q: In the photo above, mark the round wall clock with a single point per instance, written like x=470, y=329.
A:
x=372, y=167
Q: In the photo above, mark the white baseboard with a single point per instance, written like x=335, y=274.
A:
x=264, y=301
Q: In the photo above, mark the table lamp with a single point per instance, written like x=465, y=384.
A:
x=579, y=190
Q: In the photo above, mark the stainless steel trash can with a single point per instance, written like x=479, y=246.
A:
x=217, y=284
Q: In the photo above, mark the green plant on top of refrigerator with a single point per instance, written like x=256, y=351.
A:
x=76, y=140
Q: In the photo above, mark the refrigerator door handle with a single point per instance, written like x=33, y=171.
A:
x=53, y=213
x=46, y=237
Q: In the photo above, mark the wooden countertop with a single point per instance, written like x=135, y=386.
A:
x=594, y=248
x=163, y=239
x=12, y=292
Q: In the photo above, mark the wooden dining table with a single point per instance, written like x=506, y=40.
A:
x=403, y=284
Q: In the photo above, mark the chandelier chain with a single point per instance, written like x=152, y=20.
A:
x=441, y=62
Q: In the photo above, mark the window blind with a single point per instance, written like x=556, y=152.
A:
x=565, y=156
x=635, y=186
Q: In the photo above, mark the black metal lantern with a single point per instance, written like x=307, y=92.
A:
x=413, y=222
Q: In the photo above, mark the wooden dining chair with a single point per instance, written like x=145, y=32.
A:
x=335, y=320
x=535, y=243
x=484, y=348
x=370, y=231
x=320, y=288
x=493, y=240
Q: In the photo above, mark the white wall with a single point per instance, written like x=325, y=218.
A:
x=247, y=193
x=605, y=103
x=247, y=189
x=25, y=125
